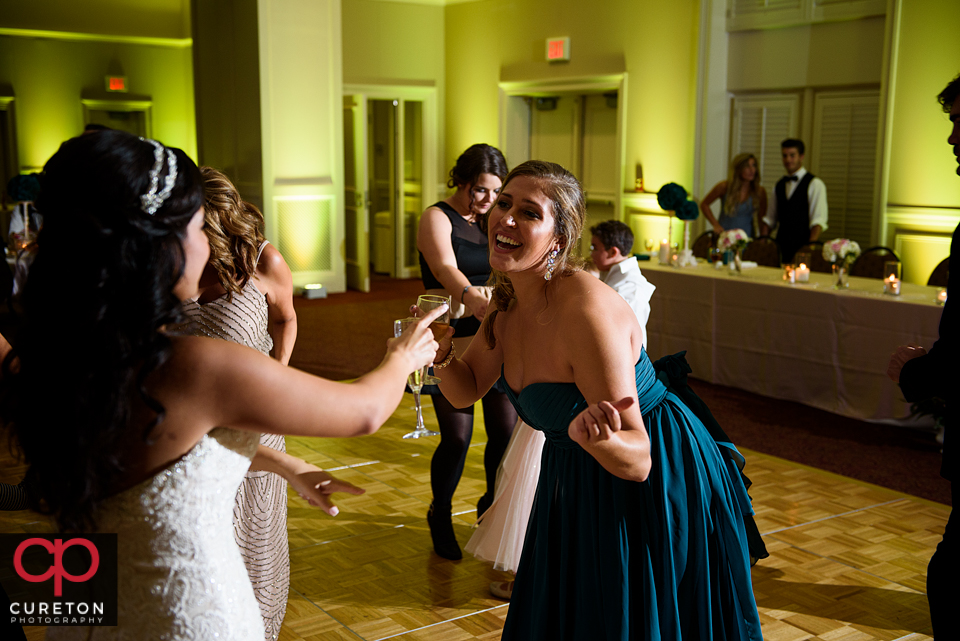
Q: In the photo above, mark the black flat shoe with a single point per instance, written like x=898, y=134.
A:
x=441, y=531
x=484, y=504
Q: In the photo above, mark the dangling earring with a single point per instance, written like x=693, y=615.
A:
x=551, y=264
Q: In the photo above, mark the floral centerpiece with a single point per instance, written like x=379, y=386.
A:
x=841, y=252
x=734, y=240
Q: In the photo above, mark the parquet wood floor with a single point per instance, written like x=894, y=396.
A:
x=847, y=560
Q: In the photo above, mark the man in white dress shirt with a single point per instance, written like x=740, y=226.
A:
x=611, y=248
x=799, y=205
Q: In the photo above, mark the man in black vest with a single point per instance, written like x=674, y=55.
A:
x=799, y=205
x=936, y=374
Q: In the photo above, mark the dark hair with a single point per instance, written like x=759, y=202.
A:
x=794, y=143
x=98, y=294
x=569, y=213
x=949, y=94
x=613, y=233
x=477, y=159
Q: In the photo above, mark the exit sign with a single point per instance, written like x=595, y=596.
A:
x=558, y=49
x=116, y=83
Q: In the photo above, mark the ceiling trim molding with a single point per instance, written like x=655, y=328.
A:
x=74, y=36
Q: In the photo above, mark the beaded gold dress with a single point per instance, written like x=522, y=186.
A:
x=260, y=511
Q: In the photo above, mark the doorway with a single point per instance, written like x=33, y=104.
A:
x=132, y=116
x=578, y=125
x=390, y=152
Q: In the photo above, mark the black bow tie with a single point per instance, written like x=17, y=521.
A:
x=793, y=178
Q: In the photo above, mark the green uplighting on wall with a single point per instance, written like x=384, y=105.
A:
x=304, y=226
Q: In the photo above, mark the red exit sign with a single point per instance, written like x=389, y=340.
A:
x=558, y=49
x=116, y=83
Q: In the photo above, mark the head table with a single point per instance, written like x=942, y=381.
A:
x=809, y=342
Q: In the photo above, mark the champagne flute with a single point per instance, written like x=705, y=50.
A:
x=414, y=380
x=427, y=302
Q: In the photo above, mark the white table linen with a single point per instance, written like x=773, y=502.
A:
x=808, y=343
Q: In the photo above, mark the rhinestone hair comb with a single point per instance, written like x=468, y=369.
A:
x=151, y=201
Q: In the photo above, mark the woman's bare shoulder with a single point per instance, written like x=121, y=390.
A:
x=435, y=215
x=588, y=304
x=582, y=289
x=272, y=269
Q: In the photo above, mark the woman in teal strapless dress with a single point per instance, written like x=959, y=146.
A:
x=637, y=526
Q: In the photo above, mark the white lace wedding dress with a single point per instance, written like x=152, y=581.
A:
x=260, y=512
x=180, y=572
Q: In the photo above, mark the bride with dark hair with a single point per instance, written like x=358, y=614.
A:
x=118, y=417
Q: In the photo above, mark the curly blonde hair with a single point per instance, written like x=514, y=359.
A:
x=569, y=215
x=234, y=228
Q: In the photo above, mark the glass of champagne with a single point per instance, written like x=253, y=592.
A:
x=426, y=303
x=414, y=380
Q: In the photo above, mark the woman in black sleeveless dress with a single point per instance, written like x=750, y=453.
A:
x=454, y=258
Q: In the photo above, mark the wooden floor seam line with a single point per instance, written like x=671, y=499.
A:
x=462, y=616
x=832, y=516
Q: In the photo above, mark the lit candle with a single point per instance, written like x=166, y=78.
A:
x=674, y=260
x=664, y=251
x=802, y=273
x=891, y=285
x=942, y=296
x=789, y=273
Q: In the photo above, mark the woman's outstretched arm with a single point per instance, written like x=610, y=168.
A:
x=311, y=483
x=224, y=384
x=467, y=377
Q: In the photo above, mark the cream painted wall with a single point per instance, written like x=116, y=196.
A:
x=654, y=42
x=818, y=55
x=922, y=165
x=387, y=42
x=47, y=77
x=396, y=43
x=145, y=18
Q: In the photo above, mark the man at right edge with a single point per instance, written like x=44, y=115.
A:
x=922, y=375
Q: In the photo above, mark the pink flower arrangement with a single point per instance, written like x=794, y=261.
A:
x=841, y=251
x=733, y=240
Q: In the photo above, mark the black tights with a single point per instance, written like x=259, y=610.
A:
x=456, y=429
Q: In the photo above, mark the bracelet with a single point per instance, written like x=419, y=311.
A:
x=446, y=361
x=464, y=293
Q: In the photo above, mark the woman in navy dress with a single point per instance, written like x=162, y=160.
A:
x=637, y=526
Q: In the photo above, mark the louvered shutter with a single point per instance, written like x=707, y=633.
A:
x=845, y=151
x=760, y=124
